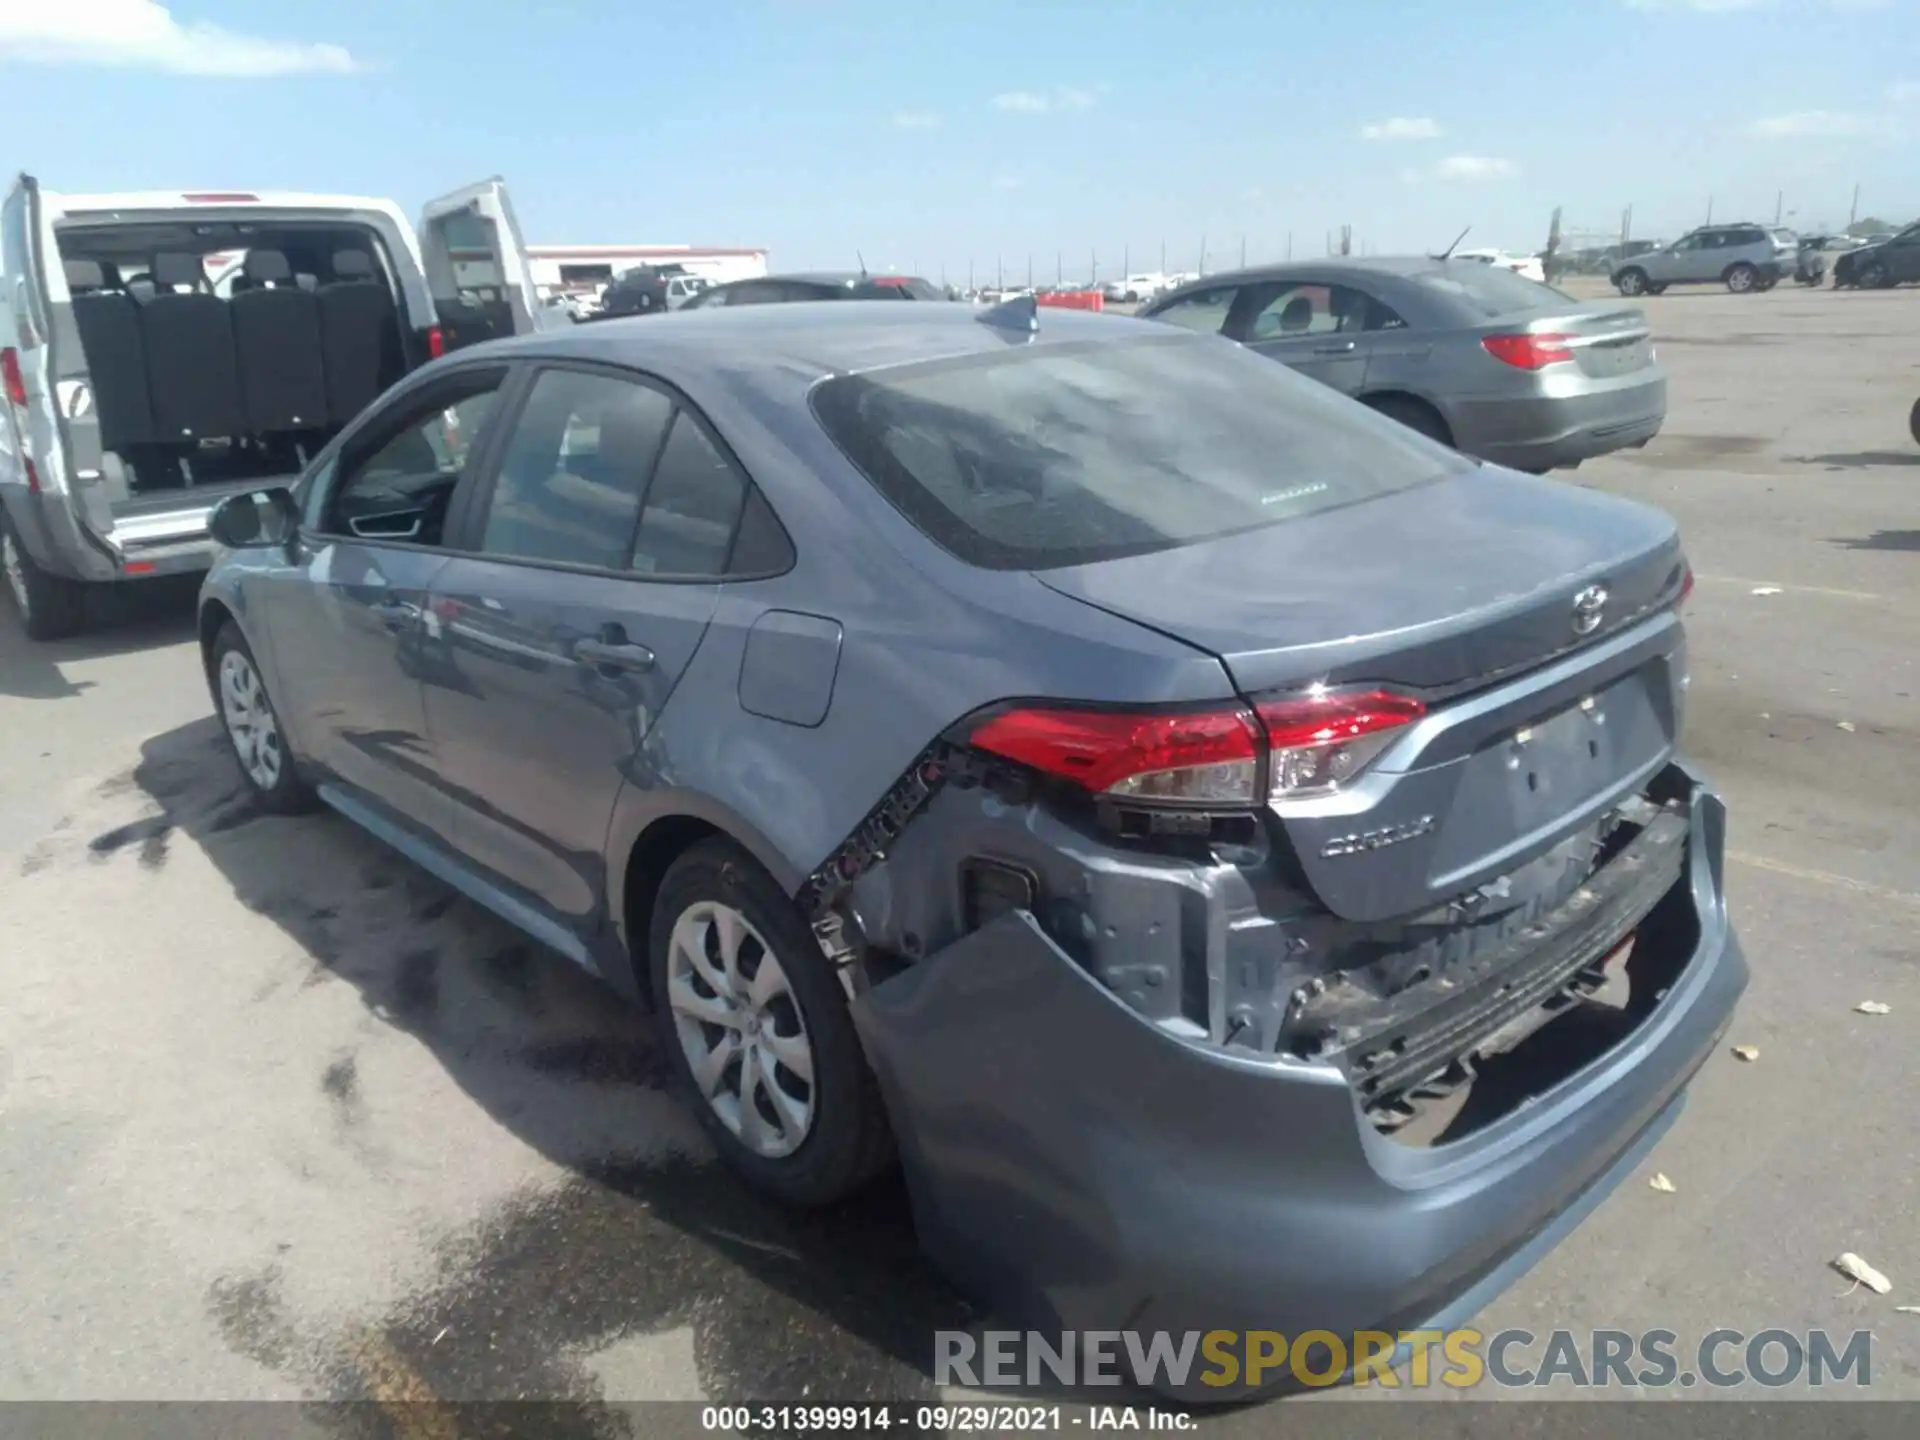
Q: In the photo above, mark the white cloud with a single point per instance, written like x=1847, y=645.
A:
x=1476, y=167
x=1039, y=102
x=1401, y=128
x=914, y=120
x=1804, y=124
x=139, y=34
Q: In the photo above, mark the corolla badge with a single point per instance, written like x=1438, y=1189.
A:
x=1589, y=609
x=1366, y=840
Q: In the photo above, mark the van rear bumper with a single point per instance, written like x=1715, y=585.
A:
x=152, y=541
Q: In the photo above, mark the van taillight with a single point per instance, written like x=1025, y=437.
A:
x=436, y=342
x=15, y=380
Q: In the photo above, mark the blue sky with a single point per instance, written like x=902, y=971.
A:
x=934, y=135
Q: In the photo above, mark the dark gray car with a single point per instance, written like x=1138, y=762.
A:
x=1232, y=850
x=1471, y=354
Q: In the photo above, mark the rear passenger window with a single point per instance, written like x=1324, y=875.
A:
x=691, y=508
x=574, y=469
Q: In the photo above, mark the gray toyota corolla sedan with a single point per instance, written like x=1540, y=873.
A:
x=1232, y=851
x=1471, y=354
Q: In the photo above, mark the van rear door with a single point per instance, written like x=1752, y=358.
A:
x=477, y=265
x=34, y=452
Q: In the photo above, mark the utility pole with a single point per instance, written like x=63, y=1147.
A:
x=1203, y=255
x=1126, y=261
x=1853, y=210
x=970, y=284
x=1626, y=229
x=1093, y=267
x=1779, y=199
x=999, y=273
x=1243, y=252
x=1289, y=245
x=1709, y=209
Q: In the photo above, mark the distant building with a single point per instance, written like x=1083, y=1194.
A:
x=562, y=268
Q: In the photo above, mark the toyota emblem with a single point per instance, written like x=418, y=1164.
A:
x=1589, y=609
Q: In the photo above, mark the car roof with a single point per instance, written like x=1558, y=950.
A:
x=766, y=344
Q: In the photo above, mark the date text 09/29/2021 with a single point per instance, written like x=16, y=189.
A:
x=921, y=1419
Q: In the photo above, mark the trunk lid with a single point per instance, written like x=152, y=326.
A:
x=1463, y=592
x=1610, y=341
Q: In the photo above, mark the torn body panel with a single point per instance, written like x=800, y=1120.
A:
x=1083, y=1152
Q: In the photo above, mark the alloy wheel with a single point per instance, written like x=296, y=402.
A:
x=250, y=722
x=741, y=1029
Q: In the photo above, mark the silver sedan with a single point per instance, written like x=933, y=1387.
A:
x=1496, y=365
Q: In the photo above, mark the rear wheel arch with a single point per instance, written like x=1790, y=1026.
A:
x=1416, y=412
x=644, y=861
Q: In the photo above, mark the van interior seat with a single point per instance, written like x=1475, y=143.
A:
x=193, y=368
x=276, y=332
x=107, y=324
x=359, y=332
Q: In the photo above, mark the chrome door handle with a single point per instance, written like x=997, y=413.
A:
x=1340, y=347
x=613, y=655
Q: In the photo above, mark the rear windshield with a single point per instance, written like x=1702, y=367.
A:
x=1034, y=458
x=1492, y=289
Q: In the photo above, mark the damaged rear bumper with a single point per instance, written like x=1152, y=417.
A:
x=1079, y=1168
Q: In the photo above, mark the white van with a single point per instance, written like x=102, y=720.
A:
x=161, y=351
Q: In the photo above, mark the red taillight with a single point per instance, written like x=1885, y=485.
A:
x=1320, y=742
x=138, y=567
x=1686, y=585
x=16, y=382
x=1197, y=757
x=1528, y=352
x=1312, y=743
x=436, y=342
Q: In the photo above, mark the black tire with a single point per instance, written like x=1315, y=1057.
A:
x=1913, y=422
x=1656, y=289
x=848, y=1142
x=288, y=793
x=1741, y=279
x=1766, y=285
x=51, y=607
x=1631, y=282
x=1415, y=414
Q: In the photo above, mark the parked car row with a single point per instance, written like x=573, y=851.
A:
x=1750, y=258
x=1065, y=745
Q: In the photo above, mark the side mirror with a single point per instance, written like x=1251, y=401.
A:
x=257, y=520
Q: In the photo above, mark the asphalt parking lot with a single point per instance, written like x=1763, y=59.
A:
x=282, y=1117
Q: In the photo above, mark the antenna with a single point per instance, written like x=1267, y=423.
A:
x=1447, y=254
